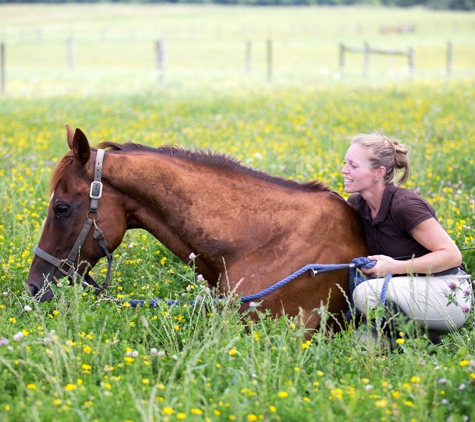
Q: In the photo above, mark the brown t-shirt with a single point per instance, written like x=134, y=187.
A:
x=390, y=232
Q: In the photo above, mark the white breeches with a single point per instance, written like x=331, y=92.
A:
x=424, y=299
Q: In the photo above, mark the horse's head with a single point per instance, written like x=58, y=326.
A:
x=82, y=206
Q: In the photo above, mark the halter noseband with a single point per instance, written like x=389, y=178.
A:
x=67, y=266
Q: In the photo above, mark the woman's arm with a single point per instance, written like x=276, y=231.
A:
x=430, y=234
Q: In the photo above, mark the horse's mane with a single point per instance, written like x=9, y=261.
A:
x=217, y=160
x=60, y=170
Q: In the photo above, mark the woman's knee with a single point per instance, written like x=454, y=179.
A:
x=365, y=297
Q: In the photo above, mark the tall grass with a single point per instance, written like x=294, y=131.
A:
x=83, y=358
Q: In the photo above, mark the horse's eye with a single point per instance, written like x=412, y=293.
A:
x=60, y=210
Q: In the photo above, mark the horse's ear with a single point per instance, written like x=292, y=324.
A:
x=70, y=132
x=81, y=148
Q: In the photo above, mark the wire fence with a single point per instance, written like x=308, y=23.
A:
x=296, y=52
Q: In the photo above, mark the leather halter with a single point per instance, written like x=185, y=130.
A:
x=67, y=266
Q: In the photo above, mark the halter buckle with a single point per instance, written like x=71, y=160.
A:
x=71, y=270
x=96, y=190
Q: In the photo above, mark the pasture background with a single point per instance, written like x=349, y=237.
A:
x=83, y=359
x=114, y=45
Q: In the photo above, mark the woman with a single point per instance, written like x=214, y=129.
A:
x=430, y=288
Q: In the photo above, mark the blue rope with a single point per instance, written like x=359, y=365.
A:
x=154, y=303
x=283, y=282
x=354, y=280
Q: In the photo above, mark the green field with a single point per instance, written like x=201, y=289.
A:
x=80, y=358
x=114, y=46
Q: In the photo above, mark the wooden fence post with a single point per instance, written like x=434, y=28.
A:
x=410, y=55
x=160, y=51
x=269, y=60
x=39, y=36
x=342, y=58
x=449, y=58
x=248, y=56
x=366, y=60
x=2, y=66
x=71, y=53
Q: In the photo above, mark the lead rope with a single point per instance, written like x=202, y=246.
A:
x=101, y=240
x=355, y=279
x=315, y=269
x=88, y=281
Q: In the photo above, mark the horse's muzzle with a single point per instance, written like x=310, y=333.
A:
x=33, y=290
x=40, y=294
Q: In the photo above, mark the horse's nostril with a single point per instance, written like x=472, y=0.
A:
x=33, y=290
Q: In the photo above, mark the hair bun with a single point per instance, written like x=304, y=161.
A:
x=386, y=152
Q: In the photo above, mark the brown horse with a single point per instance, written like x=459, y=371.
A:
x=247, y=228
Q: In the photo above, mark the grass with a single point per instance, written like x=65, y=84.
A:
x=80, y=358
x=114, y=46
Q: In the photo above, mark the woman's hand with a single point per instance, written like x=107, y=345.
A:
x=384, y=265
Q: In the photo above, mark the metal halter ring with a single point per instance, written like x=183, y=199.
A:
x=94, y=219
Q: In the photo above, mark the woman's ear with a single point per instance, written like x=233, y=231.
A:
x=379, y=173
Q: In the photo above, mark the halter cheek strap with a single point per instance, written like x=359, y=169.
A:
x=96, y=186
x=67, y=266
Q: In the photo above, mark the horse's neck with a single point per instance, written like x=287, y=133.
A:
x=185, y=205
x=160, y=182
x=232, y=221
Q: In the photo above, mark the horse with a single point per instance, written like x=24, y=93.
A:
x=247, y=228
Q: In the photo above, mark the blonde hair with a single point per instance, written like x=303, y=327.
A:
x=385, y=152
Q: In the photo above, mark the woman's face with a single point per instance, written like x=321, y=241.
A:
x=359, y=176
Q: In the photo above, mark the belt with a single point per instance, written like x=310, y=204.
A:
x=450, y=271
